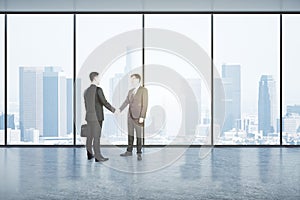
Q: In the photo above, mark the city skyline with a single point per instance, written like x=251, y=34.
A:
x=43, y=102
x=30, y=75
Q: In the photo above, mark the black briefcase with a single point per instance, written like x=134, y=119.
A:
x=84, y=131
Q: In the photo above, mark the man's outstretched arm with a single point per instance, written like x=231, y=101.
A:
x=104, y=101
x=144, y=103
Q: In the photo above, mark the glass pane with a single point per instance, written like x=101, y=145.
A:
x=179, y=90
x=246, y=53
x=102, y=47
x=40, y=64
x=2, y=79
x=291, y=97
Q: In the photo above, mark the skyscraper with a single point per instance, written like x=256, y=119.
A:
x=219, y=107
x=231, y=78
x=293, y=109
x=69, y=105
x=78, y=105
x=267, y=105
x=195, y=85
x=31, y=99
x=10, y=121
x=31, y=135
x=1, y=121
x=291, y=123
x=54, y=102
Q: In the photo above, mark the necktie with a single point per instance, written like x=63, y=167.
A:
x=135, y=90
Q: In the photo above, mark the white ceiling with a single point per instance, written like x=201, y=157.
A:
x=149, y=5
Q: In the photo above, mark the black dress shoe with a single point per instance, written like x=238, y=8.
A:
x=127, y=153
x=101, y=159
x=90, y=157
x=139, y=157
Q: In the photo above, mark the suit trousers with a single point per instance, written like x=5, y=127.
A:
x=133, y=125
x=93, y=138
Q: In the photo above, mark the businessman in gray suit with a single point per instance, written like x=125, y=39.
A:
x=137, y=99
x=94, y=100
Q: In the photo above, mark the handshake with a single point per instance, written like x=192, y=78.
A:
x=118, y=112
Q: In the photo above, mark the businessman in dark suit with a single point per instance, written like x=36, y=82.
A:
x=137, y=99
x=94, y=100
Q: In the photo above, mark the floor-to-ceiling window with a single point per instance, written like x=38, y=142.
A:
x=2, y=115
x=179, y=88
x=110, y=44
x=40, y=66
x=247, y=55
x=290, y=73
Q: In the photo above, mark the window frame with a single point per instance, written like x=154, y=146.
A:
x=281, y=13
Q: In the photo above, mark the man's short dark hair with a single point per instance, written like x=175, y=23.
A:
x=136, y=76
x=93, y=75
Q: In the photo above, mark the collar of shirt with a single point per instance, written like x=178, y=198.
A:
x=135, y=89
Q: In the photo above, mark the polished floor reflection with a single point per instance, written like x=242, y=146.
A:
x=223, y=173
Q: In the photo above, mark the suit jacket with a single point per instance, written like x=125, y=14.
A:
x=94, y=101
x=138, y=103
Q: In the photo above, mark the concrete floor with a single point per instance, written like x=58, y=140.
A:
x=172, y=173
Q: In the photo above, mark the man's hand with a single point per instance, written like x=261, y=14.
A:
x=141, y=120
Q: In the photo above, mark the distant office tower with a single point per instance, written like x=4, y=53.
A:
x=10, y=121
x=291, y=121
x=278, y=125
x=250, y=124
x=1, y=136
x=31, y=135
x=218, y=107
x=239, y=124
x=55, y=102
x=13, y=136
x=1, y=121
x=267, y=105
x=31, y=99
x=69, y=105
x=246, y=123
x=231, y=77
x=195, y=85
x=293, y=109
x=78, y=105
x=291, y=124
